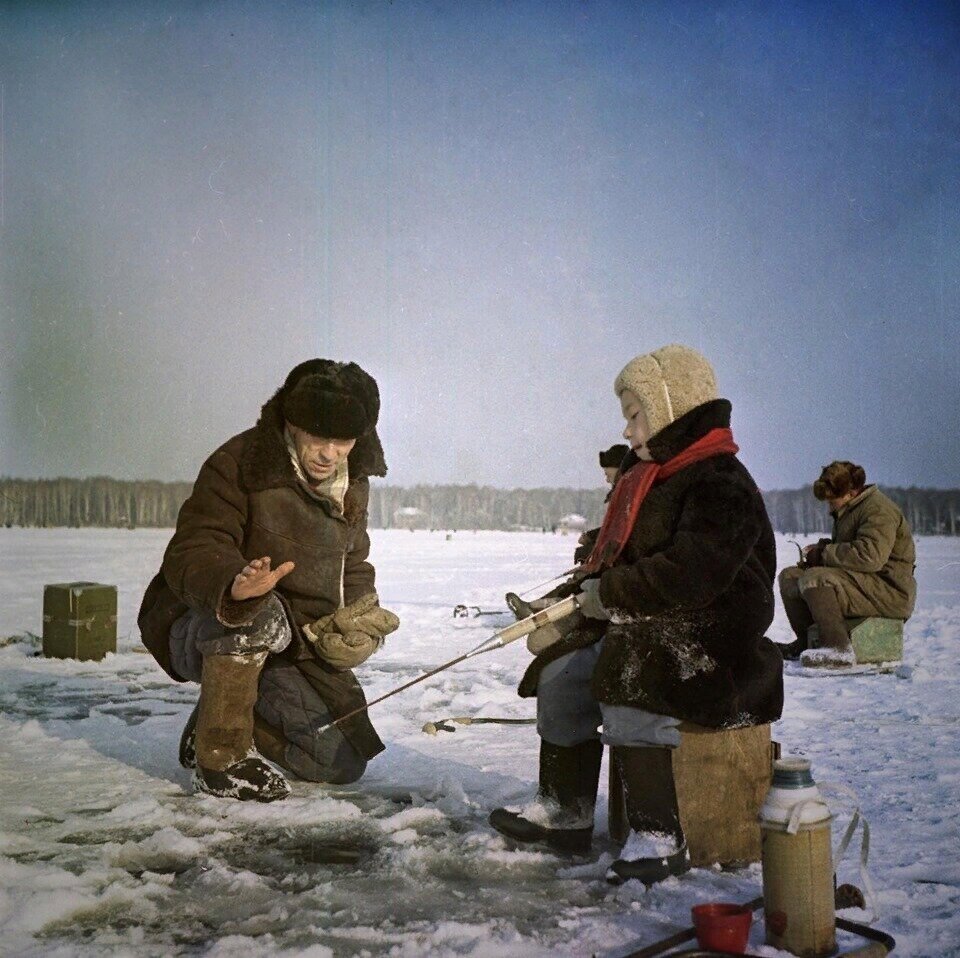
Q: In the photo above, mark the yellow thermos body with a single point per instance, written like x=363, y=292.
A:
x=797, y=863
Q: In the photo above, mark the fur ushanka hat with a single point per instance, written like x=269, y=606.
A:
x=329, y=399
x=669, y=382
x=336, y=401
x=838, y=479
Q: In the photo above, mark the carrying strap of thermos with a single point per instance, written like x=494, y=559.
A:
x=857, y=818
x=796, y=813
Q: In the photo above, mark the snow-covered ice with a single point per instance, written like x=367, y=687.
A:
x=104, y=850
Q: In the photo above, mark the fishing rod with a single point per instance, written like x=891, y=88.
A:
x=512, y=632
x=443, y=725
x=541, y=585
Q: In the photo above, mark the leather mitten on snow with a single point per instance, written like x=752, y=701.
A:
x=227, y=765
x=657, y=847
x=561, y=815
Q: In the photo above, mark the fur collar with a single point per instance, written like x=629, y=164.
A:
x=683, y=432
x=691, y=426
x=857, y=500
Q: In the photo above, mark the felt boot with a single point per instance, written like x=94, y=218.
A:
x=834, y=647
x=227, y=764
x=800, y=619
x=561, y=815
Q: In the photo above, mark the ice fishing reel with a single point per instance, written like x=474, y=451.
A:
x=473, y=611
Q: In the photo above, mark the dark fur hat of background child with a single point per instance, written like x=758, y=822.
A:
x=838, y=479
x=611, y=460
x=612, y=457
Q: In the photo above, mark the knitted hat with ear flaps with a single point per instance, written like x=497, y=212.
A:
x=669, y=382
x=330, y=399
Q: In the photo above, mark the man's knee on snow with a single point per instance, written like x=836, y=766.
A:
x=338, y=763
x=290, y=703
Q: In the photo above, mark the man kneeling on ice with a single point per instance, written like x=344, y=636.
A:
x=865, y=569
x=674, y=601
x=265, y=595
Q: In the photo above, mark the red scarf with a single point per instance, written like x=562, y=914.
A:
x=632, y=488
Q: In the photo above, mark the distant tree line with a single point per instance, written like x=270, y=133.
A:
x=101, y=501
x=98, y=501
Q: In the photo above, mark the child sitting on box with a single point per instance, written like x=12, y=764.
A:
x=675, y=599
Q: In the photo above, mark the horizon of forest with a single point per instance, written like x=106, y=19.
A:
x=103, y=502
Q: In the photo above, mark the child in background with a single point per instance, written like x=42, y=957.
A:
x=610, y=460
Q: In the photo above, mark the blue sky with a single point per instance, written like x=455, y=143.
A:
x=492, y=207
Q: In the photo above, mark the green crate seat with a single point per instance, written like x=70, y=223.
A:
x=874, y=639
x=79, y=620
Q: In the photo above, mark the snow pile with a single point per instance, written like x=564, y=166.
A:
x=648, y=845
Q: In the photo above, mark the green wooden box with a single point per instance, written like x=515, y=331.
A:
x=877, y=640
x=874, y=639
x=79, y=620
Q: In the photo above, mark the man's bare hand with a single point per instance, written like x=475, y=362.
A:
x=256, y=578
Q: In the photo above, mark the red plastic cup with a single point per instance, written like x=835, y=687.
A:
x=722, y=927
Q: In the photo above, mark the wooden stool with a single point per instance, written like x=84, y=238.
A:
x=722, y=777
x=874, y=639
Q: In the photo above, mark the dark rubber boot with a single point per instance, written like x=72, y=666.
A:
x=800, y=619
x=652, y=809
x=791, y=651
x=188, y=740
x=568, y=777
x=519, y=608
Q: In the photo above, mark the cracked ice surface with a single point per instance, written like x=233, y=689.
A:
x=104, y=851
